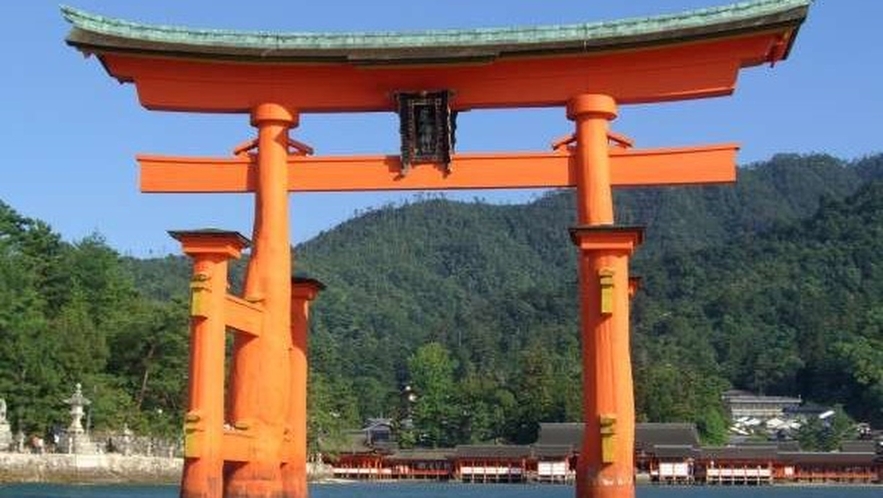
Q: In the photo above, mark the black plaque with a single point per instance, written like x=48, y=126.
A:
x=426, y=127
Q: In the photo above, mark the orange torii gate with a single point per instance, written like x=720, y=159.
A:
x=588, y=69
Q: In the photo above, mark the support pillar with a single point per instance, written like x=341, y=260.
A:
x=294, y=470
x=204, y=420
x=605, y=468
x=594, y=199
x=261, y=372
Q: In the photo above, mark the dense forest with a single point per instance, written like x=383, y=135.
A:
x=774, y=285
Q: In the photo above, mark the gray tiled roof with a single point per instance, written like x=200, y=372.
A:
x=421, y=454
x=753, y=453
x=104, y=33
x=652, y=434
x=492, y=451
x=561, y=434
x=675, y=451
x=553, y=451
x=827, y=458
x=859, y=446
x=647, y=435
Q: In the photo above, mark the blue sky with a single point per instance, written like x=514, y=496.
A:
x=70, y=132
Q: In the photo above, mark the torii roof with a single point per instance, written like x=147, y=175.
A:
x=98, y=32
x=420, y=56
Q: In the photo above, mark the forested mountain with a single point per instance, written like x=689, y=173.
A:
x=772, y=285
x=495, y=285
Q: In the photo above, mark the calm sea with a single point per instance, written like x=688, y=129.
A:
x=420, y=490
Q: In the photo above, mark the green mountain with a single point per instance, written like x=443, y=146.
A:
x=495, y=285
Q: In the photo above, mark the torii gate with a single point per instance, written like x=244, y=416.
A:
x=589, y=69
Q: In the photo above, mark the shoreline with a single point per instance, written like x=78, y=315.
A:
x=107, y=468
x=113, y=468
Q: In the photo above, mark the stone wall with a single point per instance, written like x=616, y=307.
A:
x=99, y=468
x=106, y=468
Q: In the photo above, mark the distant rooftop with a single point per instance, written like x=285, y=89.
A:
x=736, y=396
x=491, y=451
x=647, y=435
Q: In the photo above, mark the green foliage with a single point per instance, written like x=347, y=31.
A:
x=486, y=409
x=538, y=393
x=70, y=313
x=826, y=434
x=435, y=410
x=331, y=409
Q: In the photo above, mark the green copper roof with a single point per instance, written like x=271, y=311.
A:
x=98, y=33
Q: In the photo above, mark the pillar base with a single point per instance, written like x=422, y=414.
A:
x=253, y=480
x=256, y=489
x=606, y=490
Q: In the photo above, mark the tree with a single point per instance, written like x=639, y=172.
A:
x=29, y=379
x=487, y=408
x=331, y=409
x=80, y=347
x=436, y=413
x=826, y=434
x=670, y=393
x=537, y=393
x=149, y=354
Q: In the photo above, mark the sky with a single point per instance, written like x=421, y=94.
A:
x=70, y=133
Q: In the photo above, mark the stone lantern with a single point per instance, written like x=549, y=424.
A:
x=76, y=439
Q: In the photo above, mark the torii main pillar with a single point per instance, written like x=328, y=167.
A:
x=606, y=463
x=261, y=373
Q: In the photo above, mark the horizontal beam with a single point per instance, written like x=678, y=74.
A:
x=709, y=164
x=243, y=315
x=240, y=445
x=629, y=168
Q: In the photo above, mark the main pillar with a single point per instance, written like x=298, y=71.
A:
x=605, y=467
x=261, y=371
x=204, y=420
x=294, y=471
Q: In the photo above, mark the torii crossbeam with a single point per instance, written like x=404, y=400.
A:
x=588, y=70
x=628, y=168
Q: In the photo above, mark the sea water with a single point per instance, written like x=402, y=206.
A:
x=444, y=490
